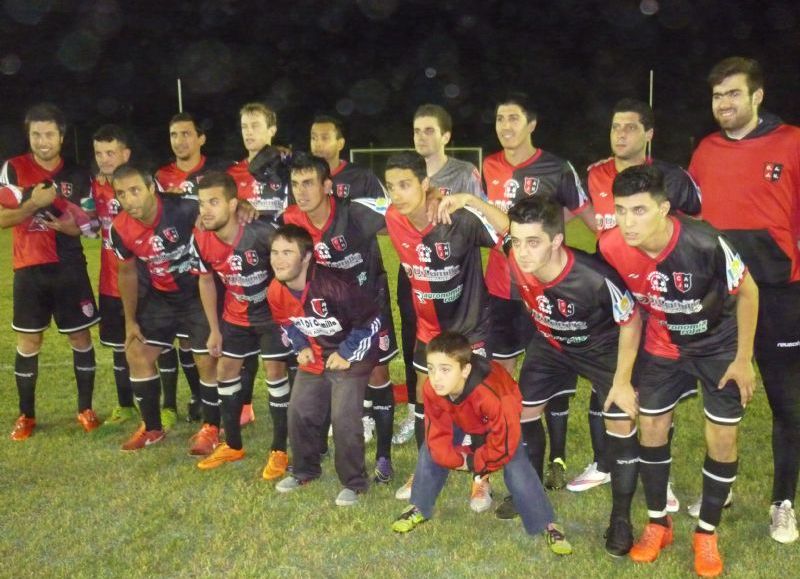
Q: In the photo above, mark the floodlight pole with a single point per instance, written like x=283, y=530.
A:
x=650, y=102
x=180, y=97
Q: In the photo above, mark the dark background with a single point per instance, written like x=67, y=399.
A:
x=373, y=61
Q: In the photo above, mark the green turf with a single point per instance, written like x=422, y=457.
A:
x=74, y=505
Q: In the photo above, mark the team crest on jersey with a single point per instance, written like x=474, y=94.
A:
x=251, y=256
x=87, y=308
x=772, y=171
x=423, y=253
x=530, y=185
x=235, y=263
x=383, y=341
x=442, y=249
x=343, y=190
x=683, y=281
x=658, y=281
x=65, y=189
x=322, y=251
x=319, y=307
x=113, y=207
x=566, y=308
x=544, y=305
x=510, y=189
x=445, y=190
x=275, y=185
x=339, y=243
x=157, y=244
x=171, y=234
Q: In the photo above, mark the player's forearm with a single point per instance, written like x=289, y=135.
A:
x=208, y=297
x=496, y=218
x=12, y=217
x=629, y=338
x=586, y=214
x=746, y=317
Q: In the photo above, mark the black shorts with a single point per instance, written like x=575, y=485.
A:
x=161, y=316
x=421, y=359
x=662, y=383
x=246, y=341
x=60, y=291
x=778, y=330
x=112, y=322
x=510, y=328
x=548, y=373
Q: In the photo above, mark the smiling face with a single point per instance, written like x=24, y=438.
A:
x=513, y=128
x=287, y=262
x=45, y=141
x=446, y=375
x=734, y=108
x=628, y=137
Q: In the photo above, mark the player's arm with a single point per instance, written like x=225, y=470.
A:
x=14, y=210
x=128, y=283
x=208, y=297
x=741, y=369
x=451, y=203
x=439, y=433
x=585, y=214
x=363, y=316
x=622, y=393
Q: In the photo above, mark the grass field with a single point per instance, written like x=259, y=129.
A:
x=73, y=505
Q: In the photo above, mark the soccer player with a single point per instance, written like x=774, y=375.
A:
x=40, y=197
x=702, y=305
x=333, y=325
x=110, y=151
x=152, y=240
x=587, y=324
x=466, y=393
x=632, y=127
x=443, y=264
x=239, y=255
x=344, y=233
x=433, y=128
x=750, y=176
x=521, y=170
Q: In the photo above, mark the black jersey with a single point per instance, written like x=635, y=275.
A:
x=582, y=308
x=355, y=182
x=688, y=290
x=243, y=267
x=443, y=264
x=163, y=248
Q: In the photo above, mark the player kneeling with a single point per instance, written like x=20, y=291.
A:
x=467, y=394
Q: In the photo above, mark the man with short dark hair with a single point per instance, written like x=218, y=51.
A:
x=749, y=173
x=41, y=195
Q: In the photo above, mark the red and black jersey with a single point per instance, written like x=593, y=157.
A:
x=170, y=178
x=164, y=247
x=751, y=191
x=33, y=242
x=683, y=194
x=582, y=308
x=688, y=290
x=332, y=314
x=243, y=267
x=355, y=182
x=269, y=196
x=348, y=240
x=505, y=184
x=107, y=208
x=488, y=409
x=443, y=264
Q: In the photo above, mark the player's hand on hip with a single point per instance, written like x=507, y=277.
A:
x=336, y=362
x=305, y=356
x=742, y=372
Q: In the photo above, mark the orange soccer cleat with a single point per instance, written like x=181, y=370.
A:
x=222, y=454
x=23, y=428
x=143, y=438
x=654, y=538
x=707, y=561
x=88, y=419
x=277, y=464
x=205, y=441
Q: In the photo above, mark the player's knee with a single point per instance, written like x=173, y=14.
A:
x=274, y=370
x=228, y=368
x=379, y=375
x=530, y=413
x=721, y=442
x=655, y=429
x=80, y=340
x=29, y=344
x=619, y=427
x=206, y=367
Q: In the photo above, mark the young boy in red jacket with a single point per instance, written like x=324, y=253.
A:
x=467, y=394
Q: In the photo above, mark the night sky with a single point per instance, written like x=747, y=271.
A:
x=373, y=61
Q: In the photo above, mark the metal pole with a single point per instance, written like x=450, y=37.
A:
x=180, y=97
x=650, y=101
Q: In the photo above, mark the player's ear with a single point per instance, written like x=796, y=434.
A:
x=664, y=207
x=532, y=125
x=465, y=370
x=758, y=97
x=558, y=240
x=126, y=154
x=327, y=186
x=426, y=184
x=446, y=137
x=648, y=135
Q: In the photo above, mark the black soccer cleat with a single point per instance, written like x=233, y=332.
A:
x=619, y=537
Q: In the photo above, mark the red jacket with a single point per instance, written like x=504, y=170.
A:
x=488, y=409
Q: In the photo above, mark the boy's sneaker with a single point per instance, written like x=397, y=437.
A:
x=405, y=430
x=143, y=438
x=383, y=471
x=408, y=520
x=290, y=484
x=694, y=508
x=122, y=414
x=588, y=479
x=248, y=415
x=222, y=454
x=369, y=428
x=673, y=504
x=205, y=441
x=23, y=428
x=654, y=538
x=619, y=537
x=346, y=498
x=784, y=524
x=404, y=492
x=557, y=540
x=169, y=418
x=277, y=463
x=506, y=510
x=556, y=476
x=707, y=561
x=194, y=410
x=480, y=498
x=88, y=420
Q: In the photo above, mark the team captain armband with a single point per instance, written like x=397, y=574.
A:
x=622, y=304
x=734, y=266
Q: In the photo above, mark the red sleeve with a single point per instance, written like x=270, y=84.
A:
x=10, y=196
x=439, y=430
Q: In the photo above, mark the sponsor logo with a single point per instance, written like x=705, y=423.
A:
x=342, y=190
x=510, y=189
x=445, y=190
x=530, y=185
x=319, y=307
x=683, y=281
x=423, y=253
x=339, y=243
x=442, y=249
x=565, y=308
x=605, y=221
x=544, y=305
x=772, y=171
x=235, y=263
x=658, y=281
x=251, y=256
x=171, y=234
x=157, y=244
x=87, y=308
x=322, y=252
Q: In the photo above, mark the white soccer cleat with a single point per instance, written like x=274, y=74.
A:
x=404, y=492
x=588, y=479
x=694, y=508
x=673, y=504
x=480, y=499
x=369, y=427
x=405, y=431
x=784, y=524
